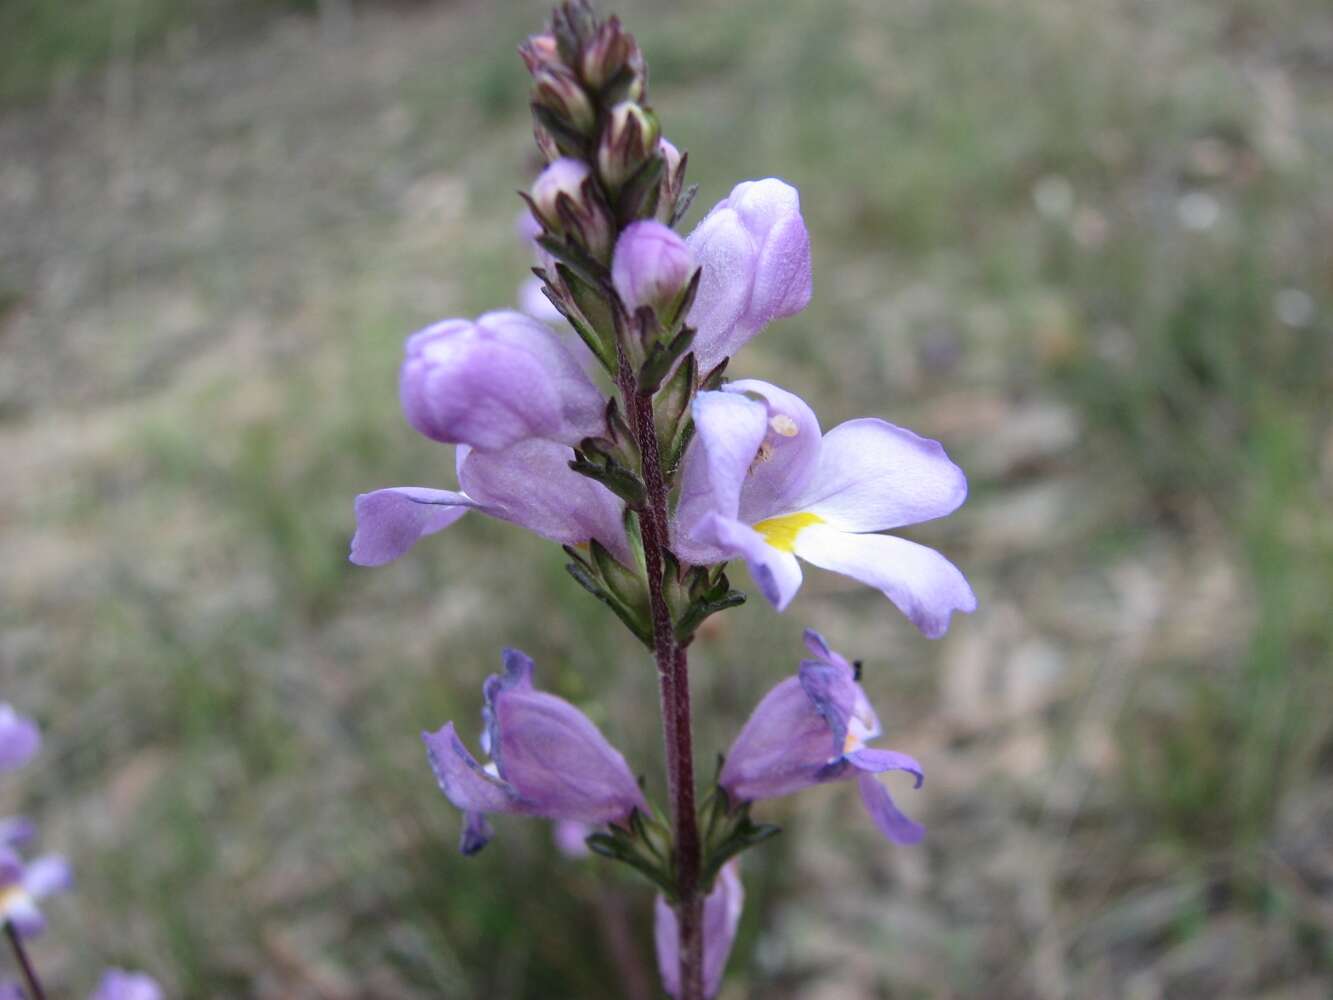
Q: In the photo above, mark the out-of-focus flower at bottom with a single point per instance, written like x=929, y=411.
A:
x=117, y=984
x=722, y=915
x=21, y=886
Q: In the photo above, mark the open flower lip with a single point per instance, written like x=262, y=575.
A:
x=762, y=483
x=815, y=728
x=548, y=759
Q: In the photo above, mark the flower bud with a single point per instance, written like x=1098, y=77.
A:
x=558, y=90
x=20, y=738
x=611, y=50
x=539, y=51
x=673, y=178
x=490, y=384
x=566, y=201
x=630, y=137
x=652, y=267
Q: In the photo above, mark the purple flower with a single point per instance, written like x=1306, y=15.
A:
x=117, y=984
x=722, y=915
x=20, y=739
x=760, y=482
x=571, y=838
x=529, y=484
x=651, y=267
x=490, y=384
x=16, y=831
x=21, y=886
x=547, y=759
x=755, y=254
x=813, y=728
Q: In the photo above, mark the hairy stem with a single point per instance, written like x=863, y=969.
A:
x=674, y=683
x=35, y=991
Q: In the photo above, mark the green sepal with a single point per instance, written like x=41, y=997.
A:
x=602, y=351
x=671, y=412
x=589, y=269
x=744, y=834
x=628, y=587
x=567, y=139
x=638, y=196
x=699, y=610
x=662, y=357
x=683, y=203
x=713, y=380
x=645, y=846
x=615, y=477
x=584, y=577
x=596, y=309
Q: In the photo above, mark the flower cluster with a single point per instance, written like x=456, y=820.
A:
x=24, y=884
x=600, y=417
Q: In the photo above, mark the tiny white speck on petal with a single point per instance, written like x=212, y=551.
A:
x=784, y=425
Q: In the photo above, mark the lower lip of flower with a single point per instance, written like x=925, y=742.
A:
x=781, y=532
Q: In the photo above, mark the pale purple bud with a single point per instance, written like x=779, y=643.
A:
x=492, y=383
x=118, y=984
x=548, y=760
x=628, y=140
x=566, y=201
x=722, y=916
x=755, y=254
x=814, y=728
x=651, y=267
x=557, y=89
x=20, y=739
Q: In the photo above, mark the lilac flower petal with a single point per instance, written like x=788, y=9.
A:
x=558, y=761
x=16, y=830
x=490, y=384
x=20, y=738
x=728, y=255
x=783, y=747
x=755, y=254
x=777, y=573
x=532, y=485
x=833, y=692
x=21, y=911
x=728, y=430
x=518, y=671
x=391, y=521
x=876, y=761
x=919, y=581
x=651, y=265
x=722, y=917
x=47, y=875
x=11, y=869
x=873, y=476
x=818, y=646
x=11, y=991
x=571, y=838
x=787, y=457
x=476, y=833
x=464, y=782
x=887, y=816
x=117, y=984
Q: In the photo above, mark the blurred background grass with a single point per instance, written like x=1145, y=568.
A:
x=1085, y=245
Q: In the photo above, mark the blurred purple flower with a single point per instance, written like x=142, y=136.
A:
x=20, y=739
x=529, y=484
x=117, y=984
x=755, y=254
x=16, y=831
x=813, y=728
x=21, y=886
x=761, y=483
x=547, y=759
x=722, y=915
x=571, y=838
x=495, y=382
x=651, y=266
